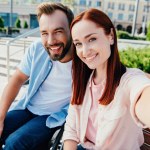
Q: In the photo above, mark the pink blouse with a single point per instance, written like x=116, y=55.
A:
x=96, y=92
x=117, y=127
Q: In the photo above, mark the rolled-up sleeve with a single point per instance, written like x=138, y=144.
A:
x=71, y=125
x=25, y=65
x=135, y=82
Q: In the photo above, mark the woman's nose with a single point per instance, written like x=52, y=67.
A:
x=85, y=50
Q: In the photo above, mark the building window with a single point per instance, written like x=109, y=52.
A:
x=146, y=8
x=120, y=16
x=131, y=7
x=83, y=2
x=98, y=4
x=110, y=14
x=90, y=3
x=121, y=7
x=110, y=5
x=33, y=21
x=130, y=17
x=144, y=19
x=6, y=18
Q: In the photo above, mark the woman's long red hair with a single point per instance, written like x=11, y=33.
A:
x=81, y=73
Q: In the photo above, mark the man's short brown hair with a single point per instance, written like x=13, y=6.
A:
x=48, y=8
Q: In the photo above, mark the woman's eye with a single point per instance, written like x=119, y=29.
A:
x=77, y=44
x=92, y=39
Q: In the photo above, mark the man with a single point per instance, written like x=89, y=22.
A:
x=47, y=65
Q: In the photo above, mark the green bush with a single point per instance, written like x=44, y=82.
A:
x=123, y=35
x=136, y=58
x=126, y=35
x=25, y=25
x=148, y=32
x=3, y=30
x=15, y=30
x=18, y=23
x=1, y=22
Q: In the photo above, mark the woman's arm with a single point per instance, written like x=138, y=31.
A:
x=70, y=145
x=148, y=75
x=70, y=136
x=142, y=108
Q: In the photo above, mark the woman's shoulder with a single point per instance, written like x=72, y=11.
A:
x=132, y=75
x=132, y=72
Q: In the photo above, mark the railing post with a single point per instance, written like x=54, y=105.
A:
x=7, y=62
x=8, y=48
x=24, y=46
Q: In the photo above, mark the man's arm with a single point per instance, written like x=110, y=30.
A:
x=9, y=94
x=70, y=145
x=142, y=108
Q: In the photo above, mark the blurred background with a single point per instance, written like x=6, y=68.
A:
x=128, y=15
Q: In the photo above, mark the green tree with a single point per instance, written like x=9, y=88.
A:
x=18, y=23
x=70, y=3
x=25, y=25
x=148, y=32
x=1, y=22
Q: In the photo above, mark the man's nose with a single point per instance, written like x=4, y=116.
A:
x=51, y=39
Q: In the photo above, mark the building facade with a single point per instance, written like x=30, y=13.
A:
x=122, y=13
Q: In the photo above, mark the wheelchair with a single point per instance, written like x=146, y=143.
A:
x=146, y=145
x=56, y=141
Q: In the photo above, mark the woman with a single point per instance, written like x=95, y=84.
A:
x=110, y=102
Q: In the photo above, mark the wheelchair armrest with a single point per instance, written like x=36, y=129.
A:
x=57, y=140
x=26, y=82
x=146, y=145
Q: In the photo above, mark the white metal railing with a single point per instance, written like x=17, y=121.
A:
x=139, y=42
x=12, y=42
x=123, y=44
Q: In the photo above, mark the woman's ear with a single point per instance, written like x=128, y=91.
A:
x=111, y=37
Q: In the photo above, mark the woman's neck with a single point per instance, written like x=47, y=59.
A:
x=99, y=76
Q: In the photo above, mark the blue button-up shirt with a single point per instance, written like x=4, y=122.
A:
x=37, y=65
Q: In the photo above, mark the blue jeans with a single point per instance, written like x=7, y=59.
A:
x=80, y=148
x=24, y=130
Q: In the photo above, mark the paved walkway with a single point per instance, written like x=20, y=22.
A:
x=3, y=82
x=14, y=55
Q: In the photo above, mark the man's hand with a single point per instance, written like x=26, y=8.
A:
x=1, y=127
x=9, y=94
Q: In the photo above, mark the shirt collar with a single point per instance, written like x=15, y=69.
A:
x=90, y=79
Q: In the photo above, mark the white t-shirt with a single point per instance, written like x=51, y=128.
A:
x=55, y=92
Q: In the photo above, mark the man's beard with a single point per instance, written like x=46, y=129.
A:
x=65, y=50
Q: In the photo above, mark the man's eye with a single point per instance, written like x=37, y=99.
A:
x=58, y=32
x=92, y=39
x=44, y=34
